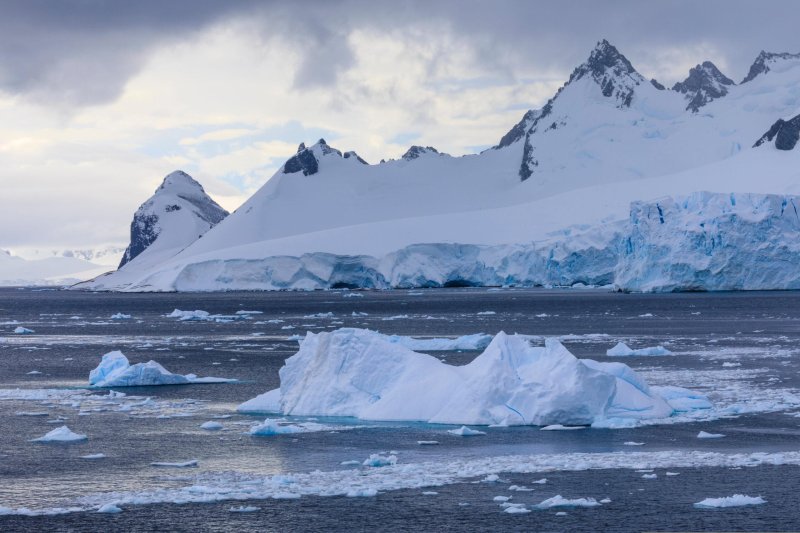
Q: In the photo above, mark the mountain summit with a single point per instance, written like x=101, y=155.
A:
x=177, y=214
x=704, y=84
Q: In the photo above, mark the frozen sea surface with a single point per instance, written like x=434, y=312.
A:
x=740, y=348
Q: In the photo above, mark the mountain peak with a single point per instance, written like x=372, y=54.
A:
x=764, y=61
x=612, y=71
x=180, y=182
x=704, y=84
x=307, y=158
x=416, y=151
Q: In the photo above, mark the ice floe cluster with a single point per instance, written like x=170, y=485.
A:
x=359, y=373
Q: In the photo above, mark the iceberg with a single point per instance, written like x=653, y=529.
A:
x=19, y=330
x=737, y=500
x=622, y=350
x=115, y=370
x=358, y=373
x=61, y=434
x=706, y=435
x=560, y=501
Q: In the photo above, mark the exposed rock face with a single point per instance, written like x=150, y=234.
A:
x=786, y=133
x=307, y=159
x=519, y=130
x=417, y=151
x=177, y=192
x=655, y=83
x=765, y=60
x=704, y=84
x=612, y=71
x=348, y=155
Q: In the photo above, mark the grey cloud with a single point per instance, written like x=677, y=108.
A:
x=82, y=52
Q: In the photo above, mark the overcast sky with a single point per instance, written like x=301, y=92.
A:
x=100, y=99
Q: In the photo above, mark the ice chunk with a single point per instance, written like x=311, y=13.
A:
x=560, y=501
x=93, y=456
x=269, y=402
x=114, y=370
x=211, y=426
x=356, y=372
x=19, y=330
x=427, y=442
x=110, y=508
x=501, y=498
x=270, y=426
x=736, y=500
x=705, y=435
x=622, y=350
x=61, y=434
x=649, y=476
x=632, y=443
x=464, y=431
x=559, y=427
x=516, y=509
x=244, y=509
x=120, y=316
x=378, y=460
x=182, y=464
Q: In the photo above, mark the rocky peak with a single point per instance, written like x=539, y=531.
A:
x=180, y=182
x=704, y=84
x=786, y=133
x=612, y=71
x=352, y=154
x=762, y=63
x=306, y=160
x=519, y=130
x=416, y=151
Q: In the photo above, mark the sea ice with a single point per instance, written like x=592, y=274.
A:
x=559, y=427
x=93, y=456
x=61, y=434
x=632, y=443
x=736, y=500
x=359, y=373
x=622, y=350
x=244, y=509
x=378, y=460
x=649, y=476
x=464, y=431
x=560, y=501
x=19, y=330
x=516, y=509
x=114, y=370
x=120, y=316
x=109, y=508
x=704, y=435
x=270, y=426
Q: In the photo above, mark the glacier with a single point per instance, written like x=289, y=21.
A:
x=115, y=370
x=359, y=373
x=701, y=241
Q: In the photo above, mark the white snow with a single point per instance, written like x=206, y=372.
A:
x=622, y=350
x=354, y=372
x=705, y=435
x=115, y=370
x=737, y=500
x=61, y=434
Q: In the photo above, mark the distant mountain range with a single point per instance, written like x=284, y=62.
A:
x=567, y=181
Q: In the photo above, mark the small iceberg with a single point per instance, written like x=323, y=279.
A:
x=737, y=500
x=560, y=501
x=244, y=509
x=19, y=330
x=120, y=316
x=705, y=435
x=199, y=315
x=622, y=350
x=115, y=370
x=270, y=427
x=109, y=508
x=377, y=460
x=61, y=434
x=211, y=426
x=184, y=464
x=464, y=431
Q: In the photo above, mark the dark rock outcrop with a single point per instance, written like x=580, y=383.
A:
x=704, y=84
x=786, y=133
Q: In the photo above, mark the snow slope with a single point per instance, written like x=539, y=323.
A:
x=606, y=139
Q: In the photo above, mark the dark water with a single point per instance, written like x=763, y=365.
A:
x=757, y=331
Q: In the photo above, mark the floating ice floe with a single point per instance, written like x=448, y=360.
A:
x=560, y=427
x=279, y=426
x=622, y=350
x=705, y=435
x=378, y=460
x=19, y=330
x=359, y=373
x=464, y=431
x=120, y=316
x=182, y=464
x=205, y=316
x=737, y=500
x=560, y=501
x=109, y=508
x=244, y=509
x=93, y=456
x=115, y=370
x=61, y=434
x=211, y=426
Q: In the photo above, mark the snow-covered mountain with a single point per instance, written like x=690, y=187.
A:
x=17, y=271
x=607, y=138
x=179, y=213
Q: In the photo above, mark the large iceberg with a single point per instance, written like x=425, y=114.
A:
x=115, y=370
x=359, y=373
